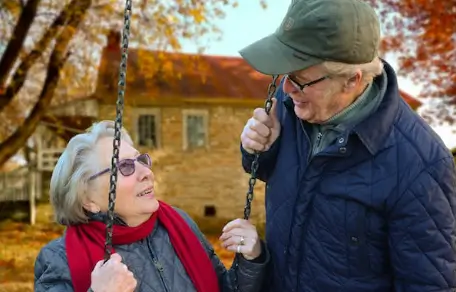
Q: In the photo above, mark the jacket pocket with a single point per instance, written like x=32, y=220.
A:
x=356, y=238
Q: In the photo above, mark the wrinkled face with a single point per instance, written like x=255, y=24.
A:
x=135, y=196
x=319, y=101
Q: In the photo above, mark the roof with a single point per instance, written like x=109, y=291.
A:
x=172, y=75
x=163, y=74
x=186, y=75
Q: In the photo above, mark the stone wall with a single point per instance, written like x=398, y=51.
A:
x=204, y=178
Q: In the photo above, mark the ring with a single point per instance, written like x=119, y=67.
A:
x=242, y=240
x=238, y=250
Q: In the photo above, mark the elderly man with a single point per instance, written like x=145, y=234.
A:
x=361, y=193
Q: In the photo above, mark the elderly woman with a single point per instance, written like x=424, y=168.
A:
x=156, y=247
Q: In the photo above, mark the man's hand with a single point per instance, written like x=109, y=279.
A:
x=261, y=130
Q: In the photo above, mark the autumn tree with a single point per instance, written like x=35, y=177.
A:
x=423, y=34
x=49, y=48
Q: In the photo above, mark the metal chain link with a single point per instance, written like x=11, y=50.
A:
x=253, y=172
x=267, y=107
x=117, y=129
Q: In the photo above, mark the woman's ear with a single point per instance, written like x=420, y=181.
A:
x=90, y=206
x=90, y=201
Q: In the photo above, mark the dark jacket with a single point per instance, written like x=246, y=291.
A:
x=154, y=263
x=374, y=211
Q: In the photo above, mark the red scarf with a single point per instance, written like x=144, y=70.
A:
x=85, y=247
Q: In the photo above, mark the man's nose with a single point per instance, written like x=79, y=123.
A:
x=288, y=87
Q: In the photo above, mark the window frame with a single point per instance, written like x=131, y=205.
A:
x=137, y=113
x=204, y=114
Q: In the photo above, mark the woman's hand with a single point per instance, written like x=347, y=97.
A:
x=241, y=236
x=113, y=276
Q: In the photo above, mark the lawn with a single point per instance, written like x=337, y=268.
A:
x=20, y=244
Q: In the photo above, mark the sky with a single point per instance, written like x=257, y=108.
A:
x=248, y=22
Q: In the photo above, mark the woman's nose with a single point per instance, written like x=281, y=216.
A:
x=144, y=172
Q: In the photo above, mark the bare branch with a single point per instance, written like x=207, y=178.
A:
x=57, y=60
x=20, y=74
x=20, y=32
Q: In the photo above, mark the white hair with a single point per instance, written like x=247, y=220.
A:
x=369, y=70
x=70, y=179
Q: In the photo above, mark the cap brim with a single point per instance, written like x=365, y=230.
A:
x=272, y=57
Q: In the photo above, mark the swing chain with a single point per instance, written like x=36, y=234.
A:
x=267, y=107
x=254, y=167
x=117, y=129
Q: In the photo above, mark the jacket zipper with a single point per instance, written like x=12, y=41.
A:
x=161, y=270
x=318, y=143
x=158, y=266
x=309, y=160
x=309, y=154
x=301, y=184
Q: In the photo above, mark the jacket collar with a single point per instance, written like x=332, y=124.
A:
x=376, y=128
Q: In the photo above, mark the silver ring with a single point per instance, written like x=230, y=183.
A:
x=242, y=240
x=238, y=250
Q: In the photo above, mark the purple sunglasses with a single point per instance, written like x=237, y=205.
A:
x=127, y=166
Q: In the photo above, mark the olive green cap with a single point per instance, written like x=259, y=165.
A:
x=314, y=31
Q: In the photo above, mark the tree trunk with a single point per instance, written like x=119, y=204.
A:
x=57, y=59
x=20, y=75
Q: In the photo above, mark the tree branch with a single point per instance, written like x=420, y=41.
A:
x=57, y=60
x=20, y=74
x=20, y=32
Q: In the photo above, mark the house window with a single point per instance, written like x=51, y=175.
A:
x=195, y=129
x=147, y=128
x=209, y=211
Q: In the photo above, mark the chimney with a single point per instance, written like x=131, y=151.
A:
x=109, y=63
x=114, y=40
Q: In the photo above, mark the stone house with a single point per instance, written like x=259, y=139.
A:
x=187, y=111
x=189, y=119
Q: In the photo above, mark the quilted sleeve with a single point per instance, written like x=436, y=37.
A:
x=266, y=161
x=250, y=274
x=51, y=271
x=422, y=231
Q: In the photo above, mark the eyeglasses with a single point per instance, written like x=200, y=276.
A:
x=127, y=166
x=300, y=86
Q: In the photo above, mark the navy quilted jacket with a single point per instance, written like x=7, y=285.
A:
x=373, y=212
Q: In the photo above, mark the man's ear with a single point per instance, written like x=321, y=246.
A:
x=353, y=81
